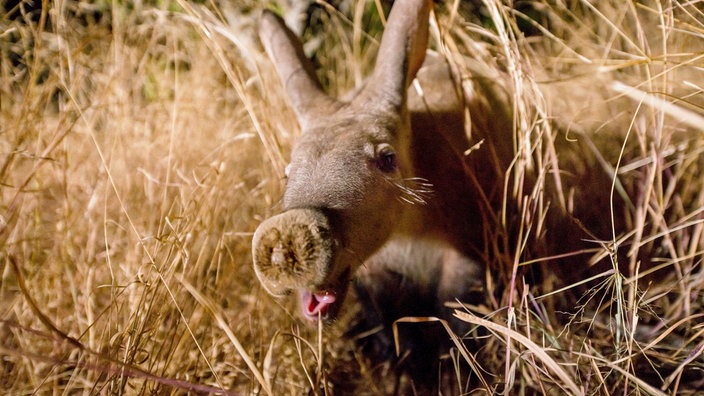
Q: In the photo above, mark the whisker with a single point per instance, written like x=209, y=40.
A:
x=414, y=190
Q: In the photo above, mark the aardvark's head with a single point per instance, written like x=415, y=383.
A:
x=349, y=170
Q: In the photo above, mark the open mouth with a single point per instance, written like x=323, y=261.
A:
x=315, y=305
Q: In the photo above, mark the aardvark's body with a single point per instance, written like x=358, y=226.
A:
x=377, y=192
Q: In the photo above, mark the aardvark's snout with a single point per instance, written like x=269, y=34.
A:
x=295, y=251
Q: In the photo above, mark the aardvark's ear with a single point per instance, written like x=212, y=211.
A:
x=402, y=51
x=295, y=70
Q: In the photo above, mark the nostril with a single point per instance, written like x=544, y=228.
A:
x=278, y=255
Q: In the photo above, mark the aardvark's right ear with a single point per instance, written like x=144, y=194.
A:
x=297, y=74
x=401, y=53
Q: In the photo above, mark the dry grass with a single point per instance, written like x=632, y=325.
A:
x=140, y=150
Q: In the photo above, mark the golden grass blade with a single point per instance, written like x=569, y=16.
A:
x=696, y=352
x=604, y=274
x=300, y=342
x=222, y=323
x=566, y=382
x=640, y=382
x=206, y=29
x=45, y=320
x=670, y=329
x=268, y=358
x=644, y=386
x=103, y=365
x=474, y=365
x=113, y=368
x=683, y=115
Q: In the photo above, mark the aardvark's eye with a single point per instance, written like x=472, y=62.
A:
x=386, y=161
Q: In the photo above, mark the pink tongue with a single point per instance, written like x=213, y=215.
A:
x=315, y=304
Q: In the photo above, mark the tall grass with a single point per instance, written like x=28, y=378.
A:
x=142, y=143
